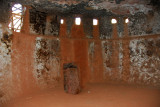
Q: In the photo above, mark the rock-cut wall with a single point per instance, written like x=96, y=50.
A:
x=47, y=62
x=5, y=64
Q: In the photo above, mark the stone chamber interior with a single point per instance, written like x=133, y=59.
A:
x=110, y=59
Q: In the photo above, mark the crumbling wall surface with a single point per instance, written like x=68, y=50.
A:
x=140, y=13
x=105, y=27
x=117, y=6
x=145, y=61
x=91, y=54
x=120, y=26
x=112, y=60
x=95, y=61
x=52, y=25
x=6, y=91
x=85, y=6
x=107, y=53
x=47, y=62
x=37, y=22
x=5, y=11
x=88, y=26
x=149, y=21
x=140, y=67
x=43, y=24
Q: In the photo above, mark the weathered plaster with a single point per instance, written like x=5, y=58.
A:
x=105, y=27
x=47, y=62
x=107, y=53
x=149, y=21
x=91, y=54
x=37, y=22
x=6, y=91
x=121, y=56
x=145, y=61
x=120, y=26
x=52, y=25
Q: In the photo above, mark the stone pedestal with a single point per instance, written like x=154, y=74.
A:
x=71, y=78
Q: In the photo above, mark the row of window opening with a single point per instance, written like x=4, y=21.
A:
x=18, y=12
x=95, y=21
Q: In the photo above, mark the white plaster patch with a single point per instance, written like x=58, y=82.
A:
x=106, y=56
x=120, y=59
x=47, y=64
x=6, y=88
x=144, y=66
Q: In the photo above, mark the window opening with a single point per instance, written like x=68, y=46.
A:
x=16, y=20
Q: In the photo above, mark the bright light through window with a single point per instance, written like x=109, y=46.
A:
x=127, y=20
x=16, y=19
x=62, y=21
x=113, y=21
x=78, y=21
x=95, y=22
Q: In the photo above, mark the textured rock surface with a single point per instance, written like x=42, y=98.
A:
x=71, y=79
x=149, y=21
x=133, y=61
x=107, y=53
x=5, y=11
x=43, y=24
x=37, y=22
x=47, y=62
x=6, y=91
x=145, y=61
x=91, y=6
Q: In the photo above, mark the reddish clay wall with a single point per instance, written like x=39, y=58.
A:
x=75, y=50
x=35, y=60
x=99, y=60
x=95, y=57
x=23, y=62
x=109, y=60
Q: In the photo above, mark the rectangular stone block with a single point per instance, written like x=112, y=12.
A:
x=71, y=78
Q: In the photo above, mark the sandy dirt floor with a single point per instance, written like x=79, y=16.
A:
x=94, y=95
